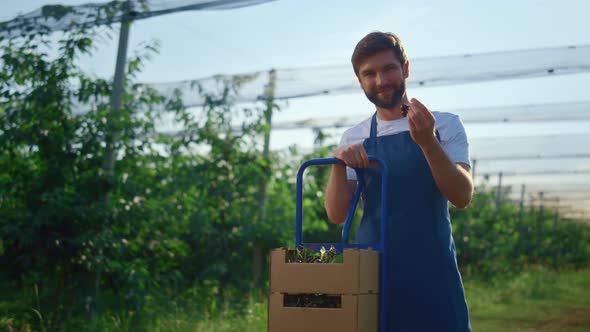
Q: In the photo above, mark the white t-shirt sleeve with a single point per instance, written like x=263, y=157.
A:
x=454, y=140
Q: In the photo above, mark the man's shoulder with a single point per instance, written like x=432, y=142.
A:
x=357, y=133
x=447, y=120
x=445, y=116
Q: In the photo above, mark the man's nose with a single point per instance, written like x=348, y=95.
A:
x=381, y=79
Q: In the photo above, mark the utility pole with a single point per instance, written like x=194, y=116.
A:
x=262, y=201
x=556, y=217
x=521, y=206
x=113, y=127
x=540, y=217
x=499, y=194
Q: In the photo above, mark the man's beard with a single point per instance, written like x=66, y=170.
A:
x=396, y=96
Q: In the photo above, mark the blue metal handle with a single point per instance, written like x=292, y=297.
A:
x=383, y=247
x=351, y=209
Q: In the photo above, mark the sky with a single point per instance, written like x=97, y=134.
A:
x=308, y=33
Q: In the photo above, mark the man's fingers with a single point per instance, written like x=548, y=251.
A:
x=414, y=117
x=418, y=104
x=353, y=156
x=422, y=110
x=344, y=154
x=418, y=107
x=359, y=158
x=411, y=123
x=365, y=157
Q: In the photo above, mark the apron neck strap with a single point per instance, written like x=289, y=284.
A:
x=373, y=126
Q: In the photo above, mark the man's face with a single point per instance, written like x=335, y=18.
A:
x=383, y=79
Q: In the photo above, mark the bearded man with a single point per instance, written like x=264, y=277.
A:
x=428, y=160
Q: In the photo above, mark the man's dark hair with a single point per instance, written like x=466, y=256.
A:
x=374, y=43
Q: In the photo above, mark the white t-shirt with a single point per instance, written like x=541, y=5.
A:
x=450, y=129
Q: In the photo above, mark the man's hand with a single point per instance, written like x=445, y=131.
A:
x=353, y=155
x=340, y=190
x=453, y=180
x=421, y=123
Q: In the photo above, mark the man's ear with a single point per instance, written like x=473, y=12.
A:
x=406, y=69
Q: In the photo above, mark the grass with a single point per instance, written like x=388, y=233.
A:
x=536, y=300
x=532, y=301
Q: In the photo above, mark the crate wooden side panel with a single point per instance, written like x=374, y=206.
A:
x=359, y=274
x=369, y=272
x=368, y=313
x=357, y=314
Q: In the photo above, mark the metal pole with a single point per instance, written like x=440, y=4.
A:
x=113, y=128
x=541, y=207
x=556, y=217
x=540, y=217
x=521, y=207
x=269, y=94
x=499, y=193
x=116, y=97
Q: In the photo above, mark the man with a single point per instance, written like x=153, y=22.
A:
x=427, y=157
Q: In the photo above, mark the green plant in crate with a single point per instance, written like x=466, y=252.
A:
x=307, y=255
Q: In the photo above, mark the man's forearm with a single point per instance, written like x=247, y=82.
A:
x=339, y=192
x=452, y=180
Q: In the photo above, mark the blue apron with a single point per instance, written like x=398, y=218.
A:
x=425, y=290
